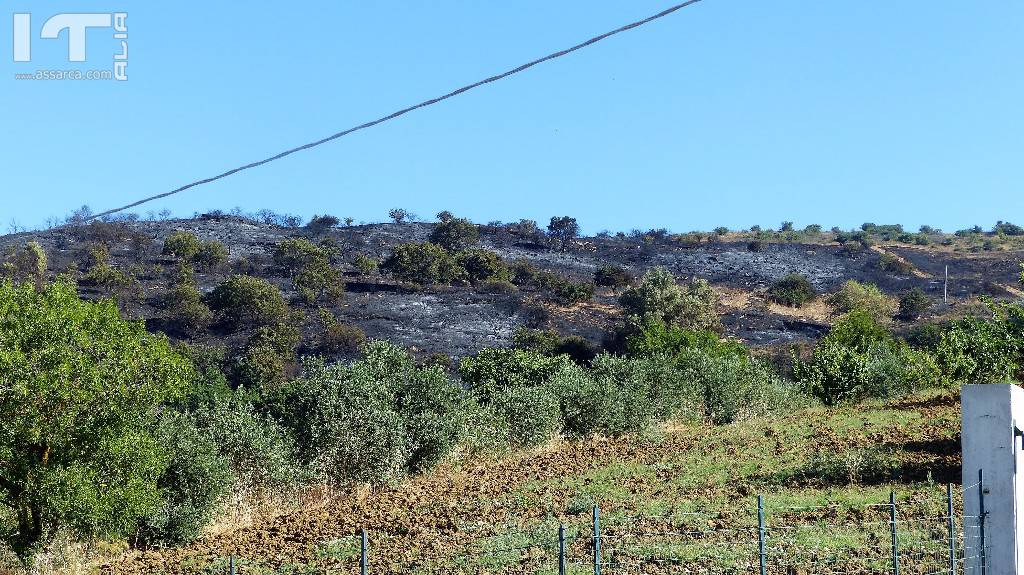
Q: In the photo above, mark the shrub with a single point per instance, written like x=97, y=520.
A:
x=812, y=229
x=525, y=273
x=258, y=451
x=483, y=266
x=913, y=303
x=78, y=453
x=659, y=299
x=975, y=350
x=29, y=263
x=320, y=224
x=455, y=234
x=1008, y=229
x=786, y=227
x=532, y=414
x=859, y=359
x=365, y=264
x=794, y=290
x=612, y=276
x=732, y=388
x=855, y=295
x=565, y=291
x=895, y=265
x=423, y=263
x=656, y=339
x=196, y=477
x=339, y=337
x=563, y=228
x=212, y=254
x=548, y=342
x=721, y=230
x=181, y=245
x=246, y=301
x=184, y=304
x=372, y=420
x=755, y=246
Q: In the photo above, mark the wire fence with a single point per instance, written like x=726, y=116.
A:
x=923, y=534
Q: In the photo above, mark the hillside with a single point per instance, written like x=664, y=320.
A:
x=685, y=492
x=459, y=320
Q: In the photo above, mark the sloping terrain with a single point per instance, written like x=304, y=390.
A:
x=684, y=496
x=461, y=320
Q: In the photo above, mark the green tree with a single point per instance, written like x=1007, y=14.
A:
x=658, y=298
x=423, y=263
x=563, y=228
x=79, y=392
x=181, y=245
x=483, y=266
x=246, y=301
x=455, y=234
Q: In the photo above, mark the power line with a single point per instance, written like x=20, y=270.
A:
x=404, y=111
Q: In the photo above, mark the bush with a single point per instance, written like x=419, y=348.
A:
x=659, y=299
x=424, y=264
x=854, y=295
x=339, y=337
x=794, y=290
x=76, y=445
x=859, y=359
x=211, y=255
x=372, y=420
x=977, y=350
x=565, y=291
x=246, y=301
x=320, y=224
x=455, y=234
x=1006, y=228
x=365, y=264
x=196, y=477
x=548, y=342
x=755, y=246
x=913, y=303
x=893, y=264
x=483, y=266
x=258, y=451
x=732, y=388
x=492, y=371
x=612, y=276
x=184, y=304
x=181, y=245
x=721, y=230
x=532, y=414
x=563, y=228
x=309, y=267
x=28, y=263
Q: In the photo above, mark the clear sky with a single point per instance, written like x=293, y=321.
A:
x=729, y=112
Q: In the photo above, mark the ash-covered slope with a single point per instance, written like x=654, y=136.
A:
x=460, y=320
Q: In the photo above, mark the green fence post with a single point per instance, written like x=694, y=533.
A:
x=951, y=528
x=561, y=549
x=364, y=563
x=597, y=540
x=761, y=534
x=895, y=540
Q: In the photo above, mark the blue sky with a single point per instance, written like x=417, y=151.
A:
x=726, y=113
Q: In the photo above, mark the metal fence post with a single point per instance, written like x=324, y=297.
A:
x=561, y=549
x=597, y=540
x=231, y=565
x=981, y=521
x=895, y=540
x=364, y=563
x=760, y=534
x=951, y=528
